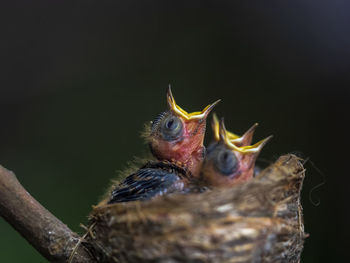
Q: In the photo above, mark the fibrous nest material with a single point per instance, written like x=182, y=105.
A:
x=259, y=221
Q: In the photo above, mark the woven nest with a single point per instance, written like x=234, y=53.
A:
x=259, y=221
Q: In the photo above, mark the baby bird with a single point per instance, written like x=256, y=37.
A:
x=177, y=136
x=155, y=179
x=176, y=140
x=227, y=164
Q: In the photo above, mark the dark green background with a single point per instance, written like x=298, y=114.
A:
x=79, y=79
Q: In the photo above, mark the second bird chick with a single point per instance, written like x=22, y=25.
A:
x=227, y=164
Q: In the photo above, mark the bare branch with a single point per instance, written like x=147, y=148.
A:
x=53, y=239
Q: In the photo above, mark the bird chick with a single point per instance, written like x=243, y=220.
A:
x=177, y=136
x=176, y=140
x=227, y=164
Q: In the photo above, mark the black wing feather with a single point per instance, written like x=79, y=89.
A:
x=143, y=185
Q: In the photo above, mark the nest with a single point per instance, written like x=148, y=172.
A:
x=259, y=221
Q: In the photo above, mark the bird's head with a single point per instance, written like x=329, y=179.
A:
x=177, y=135
x=229, y=160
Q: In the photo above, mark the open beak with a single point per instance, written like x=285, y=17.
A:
x=243, y=140
x=252, y=149
x=215, y=125
x=247, y=137
x=198, y=115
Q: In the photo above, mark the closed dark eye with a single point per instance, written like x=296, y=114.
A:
x=171, y=128
x=171, y=124
x=226, y=162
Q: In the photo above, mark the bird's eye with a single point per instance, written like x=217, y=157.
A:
x=226, y=162
x=171, y=128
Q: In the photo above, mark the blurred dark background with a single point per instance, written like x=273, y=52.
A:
x=79, y=79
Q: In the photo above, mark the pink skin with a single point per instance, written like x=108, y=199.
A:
x=187, y=151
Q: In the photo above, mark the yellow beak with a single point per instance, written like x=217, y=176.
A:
x=256, y=148
x=216, y=128
x=182, y=113
x=234, y=138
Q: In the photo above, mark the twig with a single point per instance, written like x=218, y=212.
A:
x=53, y=239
